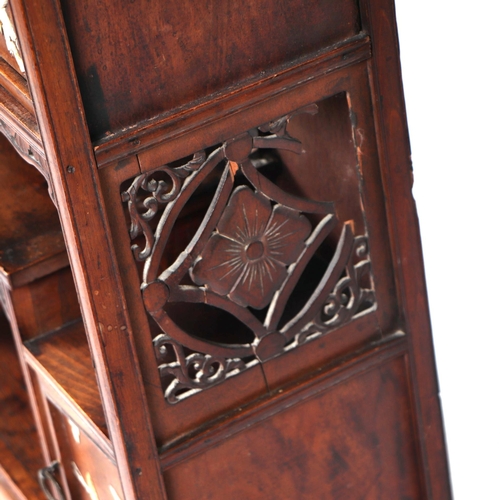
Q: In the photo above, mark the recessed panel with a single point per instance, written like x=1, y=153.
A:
x=135, y=60
x=354, y=441
x=252, y=248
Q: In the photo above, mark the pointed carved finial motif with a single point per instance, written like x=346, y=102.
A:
x=247, y=256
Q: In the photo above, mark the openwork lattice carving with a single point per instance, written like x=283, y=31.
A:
x=191, y=373
x=159, y=193
x=347, y=299
x=245, y=259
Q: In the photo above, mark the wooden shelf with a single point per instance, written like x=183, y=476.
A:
x=62, y=360
x=31, y=241
x=20, y=454
x=181, y=311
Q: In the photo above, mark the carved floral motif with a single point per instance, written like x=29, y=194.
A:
x=247, y=257
x=252, y=246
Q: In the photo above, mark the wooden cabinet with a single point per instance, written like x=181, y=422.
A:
x=211, y=261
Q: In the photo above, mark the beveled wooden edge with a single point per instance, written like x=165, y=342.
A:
x=378, y=17
x=61, y=399
x=9, y=313
x=16, y=84
x=320, y=380
x=212, y=108
x=59, y=110
x=34, y=271
x=17, y=467
x=248, y=115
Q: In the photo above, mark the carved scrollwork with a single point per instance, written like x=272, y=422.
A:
x=349, y=296
x=159, y=192
x=194, y=372
x=245, y=259
x=348, y=299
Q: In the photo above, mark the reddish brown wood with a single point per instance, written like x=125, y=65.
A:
x=31, y=242
x=255, y=257
x=190, y=416
x=15, y=84
x=20, y=453
x=193, y=129
x=89, y=471
x=46, y=53
x=395, y=153
x=45, y=427
x=249, y=274
x=268, y=35
x=353, y=441
x=46, y=304
x=10, y=49
x=62, y=359
x=310, y=383
x=20, y=128
x=34, y=263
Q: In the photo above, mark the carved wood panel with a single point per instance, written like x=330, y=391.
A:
x=247, y=257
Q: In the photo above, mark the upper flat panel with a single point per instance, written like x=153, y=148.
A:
x=136, y=60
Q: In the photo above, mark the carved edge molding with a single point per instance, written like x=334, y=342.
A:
x=249, y=252
x=171, y=125
x=23, y=146
x=28, y=152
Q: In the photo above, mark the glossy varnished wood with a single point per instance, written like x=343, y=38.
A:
x=46, y=304
x=20, y=452
x=243, y=40
x=15, y=84
x=62, y=360
x=17, y=114
x=395, y=153
x=348, y=410
x=46, y=52
x=87, y=468
x=350, y=437
x=302, y=388
x=180, y=132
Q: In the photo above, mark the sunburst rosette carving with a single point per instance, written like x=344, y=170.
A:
x=246, y=258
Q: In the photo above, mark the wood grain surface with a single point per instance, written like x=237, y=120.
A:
x=161, y=129
x=20, y=452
